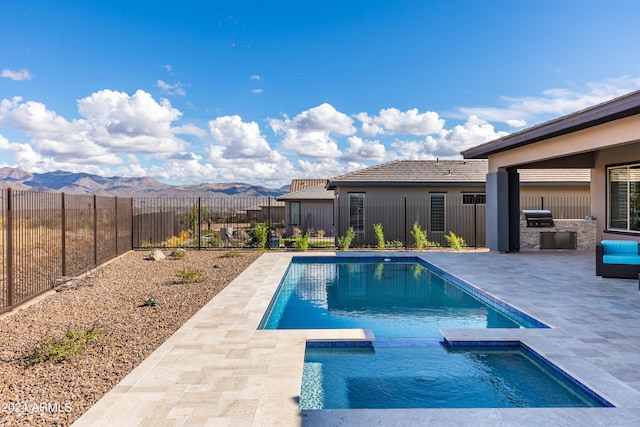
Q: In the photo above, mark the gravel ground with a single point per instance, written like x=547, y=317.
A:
x=48, y=394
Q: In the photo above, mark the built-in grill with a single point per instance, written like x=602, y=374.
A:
x=538, y=217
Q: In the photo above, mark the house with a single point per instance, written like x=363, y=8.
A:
x=441, y=195
x=604, y=139
x=308, y=208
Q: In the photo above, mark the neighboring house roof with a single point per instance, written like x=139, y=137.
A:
x=308, y=189
x=618, y=108
x=415, y=173
x=298, y=184
x=447, y=172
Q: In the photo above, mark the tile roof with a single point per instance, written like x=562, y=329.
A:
x=413, y=172
x=317, y=192
x=298, y=184
x=447, y=172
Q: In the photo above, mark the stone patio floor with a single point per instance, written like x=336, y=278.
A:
x=219, y=370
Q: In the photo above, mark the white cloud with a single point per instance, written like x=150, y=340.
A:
x=239, y=140
x=171, y=89
x=257, y=91
x=22, y=74
x=392, y=121
x=309, y=133
x=552, y=103
x=449, y=142
x=364, y=151
x=113, y=124
x=255, y=77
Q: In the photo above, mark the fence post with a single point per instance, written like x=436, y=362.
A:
x=199, y=223
x=132, y=225
x=63, y=220
x=10, y=283
x=115, y=204
x=95, y=230
x=406, y=243
x=269, y=223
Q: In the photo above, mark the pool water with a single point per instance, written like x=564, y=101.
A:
x=432, y=376
x=395, y=298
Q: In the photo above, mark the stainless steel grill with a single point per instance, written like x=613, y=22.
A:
x=538, y=218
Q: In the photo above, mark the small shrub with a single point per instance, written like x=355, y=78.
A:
x=395, y=244
x=176, y=241
x=345, y=241
x=419, y=235
x=232, y=254
x=215, y=241
x=180, y=253
x=377, y=229
x=302, y=243
x=260, y=234
x=56, y=350
x=455, y=242
x=191, y=275
x=151, y=302
x=320, y=233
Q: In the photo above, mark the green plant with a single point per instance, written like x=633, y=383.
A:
x=345, y=241
x=180, y=253
x=419, y=235
x=302, y=243
x=455, y=242
x=377, y=229
x=394, y=244
x=56, y=350
x=260, y=234
x=215, y=241
x=151, y=302
x=232, y=254
x=191, y=275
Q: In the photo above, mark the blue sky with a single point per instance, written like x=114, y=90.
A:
x=262, y=92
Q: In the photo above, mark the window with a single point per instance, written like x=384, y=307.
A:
x=356, y=211
x=437, y=212
x=623, y=198
x=295, y=213
x=474, y=199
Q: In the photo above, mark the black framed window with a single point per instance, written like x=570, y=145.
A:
x=437, y=212
x=623, y=198
x=356, y=211
x=295, y=213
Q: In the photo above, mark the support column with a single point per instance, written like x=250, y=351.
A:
x=514, y=210
x=497, y=191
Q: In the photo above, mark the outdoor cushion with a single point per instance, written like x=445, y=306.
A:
x=621, y=259
x=620, y=247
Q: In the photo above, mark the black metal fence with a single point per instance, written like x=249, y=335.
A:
x=47, y=236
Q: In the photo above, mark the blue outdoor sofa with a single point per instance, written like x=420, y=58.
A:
x=618, y=258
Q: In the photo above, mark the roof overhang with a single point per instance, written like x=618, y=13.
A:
x=609, y=111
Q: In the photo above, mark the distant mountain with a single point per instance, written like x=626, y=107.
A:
x=84, y=183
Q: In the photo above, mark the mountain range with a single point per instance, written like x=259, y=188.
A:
x=84, y=183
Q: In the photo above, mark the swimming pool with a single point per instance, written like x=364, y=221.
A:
x=428, y=375
x=393, y=296
x=405, y=301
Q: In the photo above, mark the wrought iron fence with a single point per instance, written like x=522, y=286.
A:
x=47, y=236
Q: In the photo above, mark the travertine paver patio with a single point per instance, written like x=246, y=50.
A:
x=218, y=369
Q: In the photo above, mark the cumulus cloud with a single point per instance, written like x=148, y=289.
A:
x=171, y=89
x=112, y=124
x=309, y=133
x=449, y=142
x=22, y=74
x=361, y=150
x=391, y=121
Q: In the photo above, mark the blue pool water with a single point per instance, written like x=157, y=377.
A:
x=400, y=297
x=431, y=376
